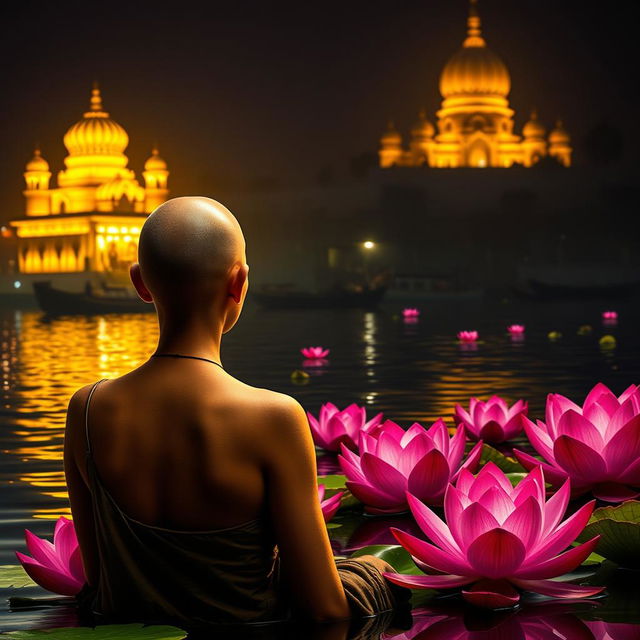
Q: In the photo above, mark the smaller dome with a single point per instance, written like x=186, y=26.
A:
x=423, y=128
x=534, y=128
x=559, y=135
x=37, y=163
x=391, y=136
x=155, y=162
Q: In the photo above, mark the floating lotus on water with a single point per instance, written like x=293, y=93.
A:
x=596, y=445
x=333, y=427
x=497, y=540
x=467, y=336
x=314, y=353
x=609, y=315
x=585, y=329
x=492, y=421
x=55, y=566
x=607, y=342
x=331, y=505
x=393, y=461
x=410, y=312
x=516, y=329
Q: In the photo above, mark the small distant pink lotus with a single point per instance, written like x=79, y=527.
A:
x=498, y=540
x=516, y=329
x=56, y=566
x=596, y=445
x=314, y=353
x=468, y=337
x=609, y=315
x=410, y=312
x=393, y=461
x=331, y=505
x=492, y=421
x=333, y=427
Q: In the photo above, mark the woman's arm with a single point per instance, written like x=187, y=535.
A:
x=79, y=494
x=305, y=551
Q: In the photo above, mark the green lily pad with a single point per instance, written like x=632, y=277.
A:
x=398, y=557
x=13, y=575
x=102, y=632
x=619, y=531
x=333, y=482
x=514, y=478
x=507, y=464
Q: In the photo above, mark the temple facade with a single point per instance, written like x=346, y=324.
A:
x=475, y=126
x=91, y=220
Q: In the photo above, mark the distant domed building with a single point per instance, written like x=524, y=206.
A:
x=475, y=122
x=91, y=221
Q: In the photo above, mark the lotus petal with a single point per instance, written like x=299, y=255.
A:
x=428, y=582
x=496, y=554
x=49, y=578
x=432, y=526
x=491, y=594
x=557, y=589
x=429, y=477
x=381, y=474
x=559, y=565
x=578, y=459
x=430, y=555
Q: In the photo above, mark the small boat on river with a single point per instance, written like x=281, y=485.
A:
x=107, y=299
x=337, y=298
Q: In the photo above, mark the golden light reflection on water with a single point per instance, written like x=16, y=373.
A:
x=57, y=356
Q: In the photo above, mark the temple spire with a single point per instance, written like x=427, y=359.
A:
x=96, y=98
x=474, y=33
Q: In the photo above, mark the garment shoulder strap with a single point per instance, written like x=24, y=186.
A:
x=86, y=414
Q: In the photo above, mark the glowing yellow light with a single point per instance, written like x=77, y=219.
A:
x=368, y=244
x=100, y=229
x=112, y=229
x=101, y=242
x=124, y=229
x=109, y=238
x=127, y=238
x=135, y=229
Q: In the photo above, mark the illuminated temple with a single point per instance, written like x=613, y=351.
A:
x=475, y=126
x=91, y=221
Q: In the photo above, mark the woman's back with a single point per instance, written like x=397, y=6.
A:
x=191, y=575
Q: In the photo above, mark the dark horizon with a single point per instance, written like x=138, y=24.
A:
x=239, y=94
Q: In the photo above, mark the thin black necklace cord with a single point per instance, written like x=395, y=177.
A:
x=179, y=355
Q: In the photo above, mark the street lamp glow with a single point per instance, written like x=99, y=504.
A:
x=368, y=244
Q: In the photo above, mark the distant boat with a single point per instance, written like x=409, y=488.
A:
x=339, y=298
x=110, y=300
x=564, y=283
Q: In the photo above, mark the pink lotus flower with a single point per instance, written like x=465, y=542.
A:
x=334, y=427
x=613, y=630
x=596, y=445
x=55, y=566
x=331, y=505
x=497, y=539
x=492, y=421
x=410, y=312
x=314, y=353
x=609, y=315
x=516, y=329
x=467, y=336
x=394, y=461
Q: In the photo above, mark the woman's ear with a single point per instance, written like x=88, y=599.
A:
x=136, y=279
x=237, y=283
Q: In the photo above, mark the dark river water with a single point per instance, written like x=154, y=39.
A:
x=411, y=372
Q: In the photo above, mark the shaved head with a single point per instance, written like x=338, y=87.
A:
x=189, y=244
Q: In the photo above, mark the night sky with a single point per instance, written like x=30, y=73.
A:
x=241, y=92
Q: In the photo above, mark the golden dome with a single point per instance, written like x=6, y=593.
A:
x=115, y=189
x=155, y=162
x=391, y=136
x=534, y=128
x=37, y=163
x=474, y=69
x=423, y=128
x=559, y=135
x=96, y=133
